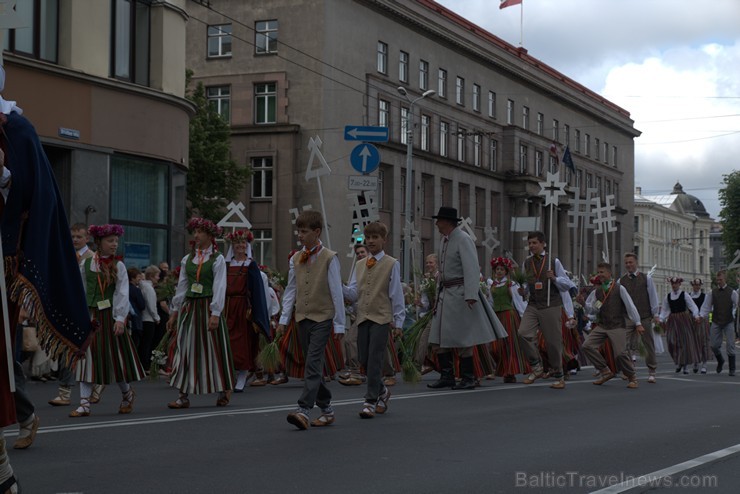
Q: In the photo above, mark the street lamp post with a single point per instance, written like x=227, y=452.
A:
x=409, y=165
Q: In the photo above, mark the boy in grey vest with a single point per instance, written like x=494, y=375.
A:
x=720, y=302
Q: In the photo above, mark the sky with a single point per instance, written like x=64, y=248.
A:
x=673, y=64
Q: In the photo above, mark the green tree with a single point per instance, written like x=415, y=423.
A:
x=214, y=179
x=729, y=199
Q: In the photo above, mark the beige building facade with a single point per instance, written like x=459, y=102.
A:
x=103, y=83
x=284, y=72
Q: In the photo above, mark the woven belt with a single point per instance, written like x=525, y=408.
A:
x=453, y=282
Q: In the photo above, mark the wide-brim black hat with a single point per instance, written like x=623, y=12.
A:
x=446, y=213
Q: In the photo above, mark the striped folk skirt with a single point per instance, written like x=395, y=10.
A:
x=679, y=331
x=202, y=363
x=109, y=358
x=507, y=352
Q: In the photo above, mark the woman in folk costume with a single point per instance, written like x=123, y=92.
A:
x=676, y=314
x=509, y=307
x=246, y=305
x=111, y=357
x=202, y=363
x=701, y=329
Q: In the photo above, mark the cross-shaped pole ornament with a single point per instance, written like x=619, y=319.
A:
x=551, y=189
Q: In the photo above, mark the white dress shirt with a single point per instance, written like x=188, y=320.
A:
x=219, y=281
x=395, y=291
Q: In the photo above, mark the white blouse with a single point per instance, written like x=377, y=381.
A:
x=120, y=294
x=219, y=281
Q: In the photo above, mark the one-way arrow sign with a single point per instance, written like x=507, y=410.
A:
x=367, y=134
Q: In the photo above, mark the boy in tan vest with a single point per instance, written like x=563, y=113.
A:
x=315, y=292
x=376, y=287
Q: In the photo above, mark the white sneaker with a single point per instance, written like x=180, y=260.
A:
x=651, y=378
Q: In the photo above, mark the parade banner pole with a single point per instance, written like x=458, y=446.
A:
x=552, y=188
x=6, y=322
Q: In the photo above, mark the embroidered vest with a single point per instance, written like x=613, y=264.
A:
x=612, y=311
x=722, y=306
x=93, y=287
x=637, y=288
x=312, y=295
x=373, y=301
x=537, y=272
x=502, y=297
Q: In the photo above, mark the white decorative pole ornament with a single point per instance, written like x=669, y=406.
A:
x=551, y=189
x=604, y=221
x=314, y=145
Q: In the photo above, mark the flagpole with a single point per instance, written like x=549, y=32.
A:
x=521, y=25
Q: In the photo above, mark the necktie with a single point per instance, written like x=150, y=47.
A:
x=306, y=254
x=79, y=258
x=371, y=262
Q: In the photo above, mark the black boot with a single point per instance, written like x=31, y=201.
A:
x=731, y=361
x=720, y=361
x=446, y=374
x=466, y=373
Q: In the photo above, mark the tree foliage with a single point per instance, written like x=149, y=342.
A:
x=729, y=199
x=214, y=179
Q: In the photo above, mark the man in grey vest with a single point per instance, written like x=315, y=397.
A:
x=720, y=302
x=642, y=291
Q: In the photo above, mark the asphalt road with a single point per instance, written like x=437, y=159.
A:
x=679, y=435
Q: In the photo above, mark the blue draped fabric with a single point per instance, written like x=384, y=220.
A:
x=40, y=261
x=260, y=315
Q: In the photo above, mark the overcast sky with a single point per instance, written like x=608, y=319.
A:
x=673, y=64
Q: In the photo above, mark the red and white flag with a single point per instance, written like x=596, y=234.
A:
x=554, y=149
x=509, y=3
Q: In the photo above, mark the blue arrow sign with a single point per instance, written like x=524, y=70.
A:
x=365, y=158
x=369, y=134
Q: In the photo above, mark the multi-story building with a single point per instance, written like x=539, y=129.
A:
x=284, y=72
x=103, y=82
x=672, y=233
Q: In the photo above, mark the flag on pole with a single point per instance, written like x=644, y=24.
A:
x=509, y=3
x=568, y=160
x=554, y=150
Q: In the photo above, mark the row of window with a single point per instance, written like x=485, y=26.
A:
x=220, y=39
x=600, y=152
x=265, y=102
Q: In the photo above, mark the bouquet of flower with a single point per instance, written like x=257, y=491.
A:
x=428, y=286
x=159, y=356
x=409, y=345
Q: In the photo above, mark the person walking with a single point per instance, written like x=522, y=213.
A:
x=721, y=302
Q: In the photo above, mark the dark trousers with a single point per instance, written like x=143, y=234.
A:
x=372, y=339
x=23, y=405
x=145, y=344
x=313, y=337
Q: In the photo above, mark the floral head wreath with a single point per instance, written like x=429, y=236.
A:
x=696, y=281
x=239, y=236
x=102, y=231
x=674, y=279
x=502, y=261
x=207, y=226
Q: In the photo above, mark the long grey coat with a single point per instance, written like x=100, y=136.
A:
x=454, y=324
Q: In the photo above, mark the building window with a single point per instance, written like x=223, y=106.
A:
x=261, y=177
x=614, y=156
x=423, y=75
x=525, y=117
x=444, y=131
x=606, y=153
x=522, y=159
x=538, y=163
x=476, y=150
x=510, y=112
x=262, y=247
x=555, y=130
x=461, y=144
x=491, y=104
x=579, y=181
x=219, y=99
x=384, y=108
x=587, y=145
x=404, y=125
x=493, y=155
x=40, y=40
x=139, y=200
x=476, y=97
x=566, y=131
x=636, y=226
x=442, y=84
x=265, y=37
x=130, y=60
x=426, y=122
x=553, y=165
x=403, y=67
x=577, y=141
x=597, y=146
x=540, y=123
x=219, y=41
x=382, y=57
x=265, y=96
x=460, y=91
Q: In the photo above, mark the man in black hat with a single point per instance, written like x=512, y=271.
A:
x=462, y=318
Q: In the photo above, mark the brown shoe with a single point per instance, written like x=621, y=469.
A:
x=510, y=379
x=558, y=384
x=97, y=393
x=179, y=403
x=633, y=383
x=223, y=398
x=63, y=397
x=605, y=376
x=258, y=382
x=298, y=419
x=536, y=373
x=127, y=404
x=368, y=411
x=382, y=405
x=24, y=442
x=324, y=420
x=351, y=381
x=389, y=381
x=279, y=380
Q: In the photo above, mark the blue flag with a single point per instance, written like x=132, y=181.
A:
x=568, y=160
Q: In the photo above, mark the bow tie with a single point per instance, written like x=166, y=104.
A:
x=306, y=254
x=371, y=262
x=633, y=275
